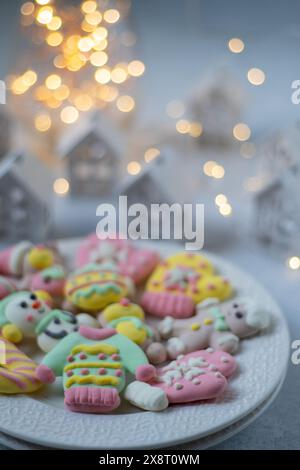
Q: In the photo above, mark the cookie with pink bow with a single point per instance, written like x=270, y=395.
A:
x=131, y=261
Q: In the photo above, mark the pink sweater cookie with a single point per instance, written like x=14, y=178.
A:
x=131, y=261
x=201, y=375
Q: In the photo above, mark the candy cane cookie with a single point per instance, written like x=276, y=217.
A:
x=17, y=371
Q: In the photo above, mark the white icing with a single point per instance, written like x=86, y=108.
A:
x=146, y=397
x=227, y=337
x=212, y=367
x=218, y=374
x=224, y=359
x=196, y=381
x=26, y=318
x=210, y=350
x=178, y=386
x=166, y=326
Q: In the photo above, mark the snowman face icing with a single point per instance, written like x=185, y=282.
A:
x=25, y=311
x=57, y=329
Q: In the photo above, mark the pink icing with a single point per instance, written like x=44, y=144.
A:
x=145, y=372
x=164, y=304
x=9, y=376
x=96, y=333
x=92, y=399
x=45, y=374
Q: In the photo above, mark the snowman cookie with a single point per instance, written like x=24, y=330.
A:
x=19, y=314
x=93, y=287
x=180, y=282
x=57, y=324
x=131, y=261
x=201, y=375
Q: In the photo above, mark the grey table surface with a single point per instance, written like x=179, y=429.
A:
x=279, y=426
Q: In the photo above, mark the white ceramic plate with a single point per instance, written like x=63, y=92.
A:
x=41, y=418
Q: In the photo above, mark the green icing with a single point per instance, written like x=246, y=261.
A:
x=54, y=272
x=98, y=289
x=220, y=322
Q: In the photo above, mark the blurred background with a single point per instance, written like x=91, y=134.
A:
x=163, y=101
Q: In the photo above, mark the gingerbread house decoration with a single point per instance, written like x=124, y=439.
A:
x=91, y=155
x=23, y=214
x=278, y=209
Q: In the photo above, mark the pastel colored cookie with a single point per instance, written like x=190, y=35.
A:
x=19, y=314
x=201, y=375
x=128, y=319
x=93, y=287
x=12, y=258
x=17, y=371
x=131, y=261
x=179, y=283
x=7, y=287
x=94, y=364
x=51, y=280
x=219, y=325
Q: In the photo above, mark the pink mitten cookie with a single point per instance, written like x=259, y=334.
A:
x=179, y=283
x=133, y=262
x=201, y=375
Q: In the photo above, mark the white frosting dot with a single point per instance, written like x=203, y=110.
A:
x=181, y=356
x=196, y=381
x=213, y=367
x=218, y=374
x=178, y=386
x=210, y=350
x=224, y=359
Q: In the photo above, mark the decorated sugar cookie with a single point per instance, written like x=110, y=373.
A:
x=12, y=259
x=19, y=314
x=57, y=324
x=179, y=283
x=94, y=363
x=201, y=375
x=93, y=287
x=17, y=371
x=218, y=325
x=7, y=287
x=128, y=319
x=131, y=261
x=51, y=280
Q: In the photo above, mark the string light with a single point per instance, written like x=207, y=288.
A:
x=89, y=6
x=225, y=210
x=45, y=15
x=55, y=23
x=136, y=68
x=236, y=45
x=53, y=82
x=256, y=76
x=151, y=154
x=102, y=76
x=293, y=262
x=183, y=126
x=27, y=8
x=196, y=129
x=69, y=115
x=134, y=168
x=125, y=103
x=208, y=166
x=118, y=75
x=54, y=39
x=111, y=16
x=220, y=199
x=42, y=122
x=61, y=186
x=217, y=172
x=241, y=131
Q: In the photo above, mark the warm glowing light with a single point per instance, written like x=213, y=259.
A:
x=108, y=93
x=183, y=126
x=175, y=109
x=41, y=93
x=196, y=129
x=45, y=15
x=42, y=122
x=111, y=16
x=69, y=114
x=220, y=199
x=256, y=76
x=241, y=131
x=100, y=45
x=98, y=58
x=53, y=102
x=43, y=2
x=217, y=172
x=83, y=102
x=134, y=168
x=54, y=39
x=27, y=8
x=93, y=18
x=253, y=184
x=208, y=166
x=236, y=45
x=99, y=34
x=102, y=76
x=294, y=262
x=125, y=103
x=61, y=186
x=225, y=210
x=89, y=6
x=85, y=44
x=136, y=68
x=29, y=78
x=151, y=154
x=118, y=75
x=59, y=61
x=247, y=150
x=62, y=93
x=75, y=63
x=55, y=23
x=53, y=82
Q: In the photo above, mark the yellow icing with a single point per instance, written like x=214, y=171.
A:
x=40, y=258
x=92, y=379
x=79, y=365
x=45, y=296
x=207, y=321
x=12, y=333
x=95, y=348
x=128, y=329
x=195, y=326
x=115, y=311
